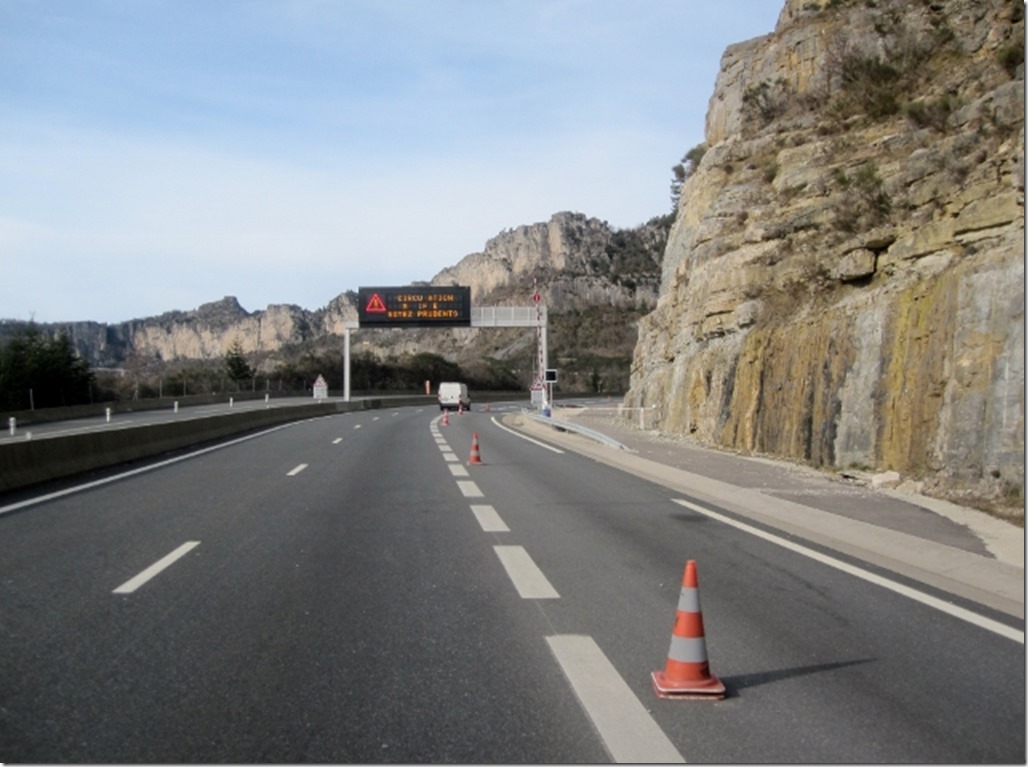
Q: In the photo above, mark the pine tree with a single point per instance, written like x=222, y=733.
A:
x=239, y=369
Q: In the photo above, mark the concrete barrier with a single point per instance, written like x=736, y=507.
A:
x=28, y=462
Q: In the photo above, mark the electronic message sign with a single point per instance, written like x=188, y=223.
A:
x=416, y=306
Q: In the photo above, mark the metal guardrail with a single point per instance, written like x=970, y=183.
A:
x=585, y=431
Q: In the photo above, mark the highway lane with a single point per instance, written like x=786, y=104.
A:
x=331, y=615
x=820, y=666
x=347, y=601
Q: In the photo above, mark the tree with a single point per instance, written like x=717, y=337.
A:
x=238, y=368
x=682, y=171
x=48, y=368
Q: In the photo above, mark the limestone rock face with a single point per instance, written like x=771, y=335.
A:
x=844, y=281
x=576, y=264
x=569, y=254
x=209, y=331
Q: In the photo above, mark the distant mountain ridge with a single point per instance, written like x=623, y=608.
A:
x=579, y=264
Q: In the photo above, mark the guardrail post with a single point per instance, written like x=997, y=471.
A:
x=231, y=402
x=108, y=413
x=266, y=398
x=176, y=406
x=12, y=424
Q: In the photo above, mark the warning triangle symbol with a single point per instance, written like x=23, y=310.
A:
x=375, y=304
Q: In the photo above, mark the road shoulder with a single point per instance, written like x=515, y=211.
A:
x=994, y=579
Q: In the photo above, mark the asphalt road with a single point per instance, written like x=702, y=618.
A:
x=350, y=589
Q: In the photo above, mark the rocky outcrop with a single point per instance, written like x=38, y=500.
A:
x=205, y=333
x=844, y=281
x=577, y=264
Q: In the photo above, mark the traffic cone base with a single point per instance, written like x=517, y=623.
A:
x=710, y=688
x=686, y=675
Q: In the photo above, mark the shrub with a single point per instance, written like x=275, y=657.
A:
x=930, y=113
x=871, y=85
x=765, y=101
x=868, y=201
x=1011, y=56
x=684, y=169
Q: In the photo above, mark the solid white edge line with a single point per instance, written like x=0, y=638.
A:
x=628, y=731
x=528, y=579
x=926, y=599
x=164, y=562
x=525, y=437
x=142, y=469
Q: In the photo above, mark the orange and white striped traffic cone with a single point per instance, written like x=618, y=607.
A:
x=476, y=457
x=446, y=418
x=686, y=675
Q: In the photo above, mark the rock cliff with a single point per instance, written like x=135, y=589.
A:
x=205, y=333
x=581, y=266
x=579, y=262
x=844, y=281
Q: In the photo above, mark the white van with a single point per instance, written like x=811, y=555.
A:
x=453, y=396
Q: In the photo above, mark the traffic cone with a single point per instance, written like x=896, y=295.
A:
x=460, y=409
x=686, y=675
x=475, y=456
x=446, y=418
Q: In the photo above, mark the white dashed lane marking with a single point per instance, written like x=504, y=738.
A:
x=627, y=729
x=527, y=577
x=488, y=519
x=134, y=583
x=470, y=489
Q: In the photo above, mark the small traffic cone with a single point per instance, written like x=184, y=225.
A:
x=460, y=409
x=686, y=675
x=446, y=418
x=475, y=455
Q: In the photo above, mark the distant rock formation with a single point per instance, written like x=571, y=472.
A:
x=577, y=264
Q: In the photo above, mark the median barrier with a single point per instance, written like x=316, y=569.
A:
x=33, y=461
x=95, y=410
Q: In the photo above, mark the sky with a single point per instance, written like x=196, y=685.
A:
x=156, y=155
